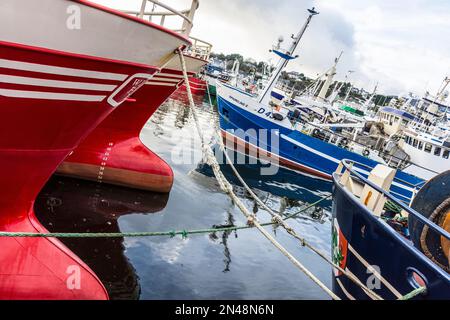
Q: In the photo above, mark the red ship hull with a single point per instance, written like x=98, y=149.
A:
x=113, y=152
x=36, y=134
x=198, y=86
x=53, y=92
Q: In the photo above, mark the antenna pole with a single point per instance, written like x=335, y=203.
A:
x=264, y=98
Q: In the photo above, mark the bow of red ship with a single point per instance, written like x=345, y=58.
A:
x=54, y=90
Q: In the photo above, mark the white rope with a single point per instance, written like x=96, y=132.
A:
x=280, y=221
x=227, y=188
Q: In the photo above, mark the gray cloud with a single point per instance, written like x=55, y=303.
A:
x=402, y=44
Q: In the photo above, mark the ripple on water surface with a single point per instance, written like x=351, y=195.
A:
x=224, y=265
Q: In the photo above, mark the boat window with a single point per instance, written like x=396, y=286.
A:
x=437, y=151
x=445, y=154
x=404, y=122
x=415, y=143
x=428, y=147
x=420, y=145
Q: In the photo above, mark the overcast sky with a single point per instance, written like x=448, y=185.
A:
x=402, y=44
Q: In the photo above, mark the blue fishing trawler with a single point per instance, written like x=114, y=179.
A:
x=255, y=123
x=392, y=251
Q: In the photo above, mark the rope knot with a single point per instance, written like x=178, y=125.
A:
x=251, y=221
x=184, y=234
x=275, y=221
x=172, y=234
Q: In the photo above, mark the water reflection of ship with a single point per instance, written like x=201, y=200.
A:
x=182, y=117
x=181, y=96
x=226, y=250
x=291, y=187
x=70, y=205
x=285, y=193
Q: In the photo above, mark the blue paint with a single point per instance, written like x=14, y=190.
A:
x=373, y=239
x=239, y=118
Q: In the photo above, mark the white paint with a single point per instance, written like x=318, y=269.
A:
x=164, y=84
x=426, y=160
x=170, y=75
x=102, y=34
x=42, y=68
x=55, y=83
x=166, y=79
x=251, y=105
x=50, y=95
x=135, y=77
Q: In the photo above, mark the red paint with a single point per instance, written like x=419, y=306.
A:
x=198, y=86
x=117, y=137
x=250, y=149
x=35, y=136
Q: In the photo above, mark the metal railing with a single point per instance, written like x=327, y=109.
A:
x=348, y=166
x=187, y=16
x=199, y=48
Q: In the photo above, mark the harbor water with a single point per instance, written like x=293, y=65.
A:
x=222, y=265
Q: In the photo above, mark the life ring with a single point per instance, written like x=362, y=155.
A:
x=343, y=142
x=433, y=202
x=278, y=116
x=316, y=132
x=297, y=114
x=366, y=152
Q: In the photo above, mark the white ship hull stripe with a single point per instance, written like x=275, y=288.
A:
x=166, y=79
x=50, y=95
x=171, y=75
x=55, y=83
x=152, y=83
x=34, y=67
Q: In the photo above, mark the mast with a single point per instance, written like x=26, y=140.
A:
x=351, y=87
x=367, y=103
x=284, y=59
x=330, y=74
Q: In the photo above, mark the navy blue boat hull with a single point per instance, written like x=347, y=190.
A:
x=360, y=238
x=295, y=150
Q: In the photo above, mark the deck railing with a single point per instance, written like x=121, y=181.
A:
x=200, y=49
x=151, y=10
x=347, y=165
x=187, y=16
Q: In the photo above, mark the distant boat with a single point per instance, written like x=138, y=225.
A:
x=423, y=135
x=217, y=72
x=244, y=117
x=388, y=246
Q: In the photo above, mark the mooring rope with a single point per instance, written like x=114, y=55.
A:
x=251, y=218
x=228, y=189
x=414, y=293
x=277, y=219
x=172, y=233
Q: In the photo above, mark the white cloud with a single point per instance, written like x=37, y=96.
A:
x=401, y=44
